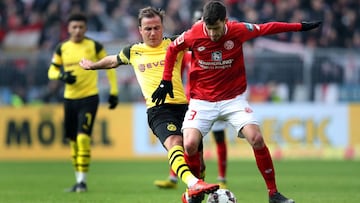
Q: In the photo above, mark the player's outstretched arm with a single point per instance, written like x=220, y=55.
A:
x=105, y=63
x=305, y=26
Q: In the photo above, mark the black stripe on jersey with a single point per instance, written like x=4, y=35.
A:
x=98, y=47
x=126, y=51
x=56, y=65
x=58, y=49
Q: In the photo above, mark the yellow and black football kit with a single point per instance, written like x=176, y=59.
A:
x=81, y=94
x=166, y=119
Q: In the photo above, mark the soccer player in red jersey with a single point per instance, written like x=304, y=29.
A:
x=218, y=82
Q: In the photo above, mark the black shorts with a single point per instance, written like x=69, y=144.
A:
x=165, y=120
x=79, y=115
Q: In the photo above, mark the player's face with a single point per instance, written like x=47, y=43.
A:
x=216, y=31
x=77, y=30
x=151, y=31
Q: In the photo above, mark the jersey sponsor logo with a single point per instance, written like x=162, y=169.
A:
x=216, y=56
x=216, y=64
x=229, y=45
x=179, y=40
x=143, y=66
x=202, y=48
x=171, y=127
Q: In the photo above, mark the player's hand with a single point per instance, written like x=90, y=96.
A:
x=67, y=77
x=305, y=26
x=113, y=101
x=160, y=93
x=86, y=64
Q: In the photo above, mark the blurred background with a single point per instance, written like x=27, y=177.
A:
x=305, y=86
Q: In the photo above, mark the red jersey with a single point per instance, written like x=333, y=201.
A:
x=217, y=68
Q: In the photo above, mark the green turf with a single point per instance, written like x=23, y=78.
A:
x=132, y=182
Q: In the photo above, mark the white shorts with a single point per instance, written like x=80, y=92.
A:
x=202, y=114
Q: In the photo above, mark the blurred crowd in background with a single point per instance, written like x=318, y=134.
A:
x=30, y=30
x=116, y=20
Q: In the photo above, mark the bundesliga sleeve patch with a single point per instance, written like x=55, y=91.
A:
x=180, y=39
x=249, y=26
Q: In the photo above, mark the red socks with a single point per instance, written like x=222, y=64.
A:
x=266, y=168
x=194, y=163
x=222, y=158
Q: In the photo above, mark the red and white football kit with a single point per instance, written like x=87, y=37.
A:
x=217, y=75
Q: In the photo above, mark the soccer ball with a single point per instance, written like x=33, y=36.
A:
x=222, y=196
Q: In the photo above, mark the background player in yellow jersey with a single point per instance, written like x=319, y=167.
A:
x=81, y=98
x=147, y=59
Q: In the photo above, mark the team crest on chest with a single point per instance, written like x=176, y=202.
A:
x=216, y=56
x=229, y=45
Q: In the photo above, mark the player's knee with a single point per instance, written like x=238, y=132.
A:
x=173, y=140
x=191, y=147
x=192, y=139
x=257, y=141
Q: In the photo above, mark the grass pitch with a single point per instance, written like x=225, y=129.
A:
x=306, y=181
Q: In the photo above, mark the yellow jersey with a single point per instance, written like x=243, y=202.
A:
x=67, y=57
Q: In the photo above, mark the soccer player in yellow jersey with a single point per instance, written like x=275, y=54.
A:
x=147, y=59
x=81, y=97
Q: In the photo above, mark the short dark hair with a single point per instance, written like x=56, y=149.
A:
x=214, y=11
x=77, y=17
x=150, y=12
